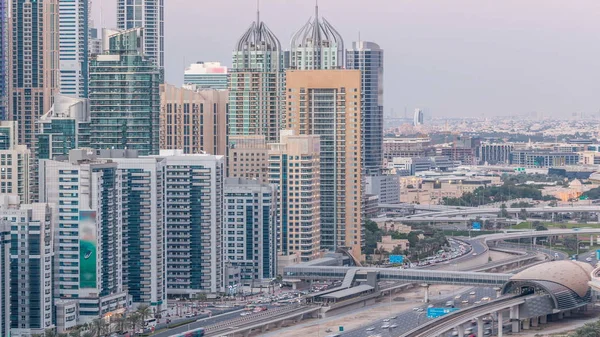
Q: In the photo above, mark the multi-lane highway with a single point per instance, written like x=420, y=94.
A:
x=197, y=324
x=405, y=321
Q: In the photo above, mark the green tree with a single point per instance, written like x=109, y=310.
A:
x=503, y=212
x=397, y=250
x=99, y=327
x=523, y=214
x=144, y=311
x=588, y=330
x=135, y=322
x=50, y=333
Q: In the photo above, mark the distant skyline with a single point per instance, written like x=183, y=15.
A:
x=465, y=58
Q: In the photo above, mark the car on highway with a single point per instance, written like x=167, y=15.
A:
x=393, y=317
x=474, y=254
x=415, y=309
x=420, y=310
x=588, y=259
x=465, y=302
x=371, y=328
x=386, y=320
x=385, y=326
x=485, y=298
x=394, y=326
x=472, y=293
x=457, y=297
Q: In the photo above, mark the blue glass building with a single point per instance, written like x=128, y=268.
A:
x=125, y=97
x=3, y=57
x=368, y=58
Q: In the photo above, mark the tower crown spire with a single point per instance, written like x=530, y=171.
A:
x=258, y=12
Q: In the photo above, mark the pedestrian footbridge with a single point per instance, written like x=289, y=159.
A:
x=317, y=273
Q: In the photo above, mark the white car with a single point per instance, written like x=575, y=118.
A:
x=385, y=326
x=472, y=293
x=485, y=298
x=386, y=320
x=393, y=326
x=420, y=310
x=588, y=259
x=371, y=328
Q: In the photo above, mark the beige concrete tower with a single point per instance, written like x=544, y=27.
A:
x=294, y=166
x=247, y=158
x=193, y=120
x=327, y=103
x=33, y=72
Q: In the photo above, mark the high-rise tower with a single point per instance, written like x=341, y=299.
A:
x=327, y=103
x=3, y=57
x=150, y=15
x=124, y=96
x=317, y=45
x=33, y=74
x=368, y=58
x=74, y=16
x=256, y=84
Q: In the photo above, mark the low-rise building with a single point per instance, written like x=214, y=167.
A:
x=388, y=244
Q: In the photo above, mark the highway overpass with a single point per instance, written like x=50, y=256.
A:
x=471, y=211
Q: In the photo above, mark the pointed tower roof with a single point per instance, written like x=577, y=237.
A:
x=258, y=36
x=317, y=32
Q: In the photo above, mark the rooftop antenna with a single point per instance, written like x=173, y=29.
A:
x=257, y=12
x=317, y=10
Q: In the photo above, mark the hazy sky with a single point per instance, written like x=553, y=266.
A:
x=452, y=58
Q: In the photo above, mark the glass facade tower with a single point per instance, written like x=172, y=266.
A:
x=3, y=58
x=147, y=14
x=256, y=84
x=74, y=16
x=125, y=97
x=33, y=42
x=317, y=45
x=368, y=58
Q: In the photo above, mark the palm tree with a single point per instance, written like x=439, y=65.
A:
x=144, y=311
x=120, y=323
x=75, y=332
x=134, y=321
x=50, y=333
x=98, y=327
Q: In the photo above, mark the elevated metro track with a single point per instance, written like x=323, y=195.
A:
x=441, y=325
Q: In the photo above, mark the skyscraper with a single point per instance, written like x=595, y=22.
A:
x=368, y=58
x=298, y=192
x=31, y=277
x=65, y=127
x=33, y=63
x=206, y=75
x=3, y=58
x=150, y=15
x=144, y=255
x=125, y=97
x=14, y=164
x=194, y=219
x=317, y=45
x=327, y=103
x=248, y=158
x=256, y=84
x=89, y=268
x=418, y=117
x=5, y=238
x=194, y=121
x=250, y=228
x=74, y=16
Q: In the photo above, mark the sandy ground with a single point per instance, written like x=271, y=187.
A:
x=499, y=256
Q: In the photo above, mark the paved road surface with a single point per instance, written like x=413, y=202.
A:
x=410, y=319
